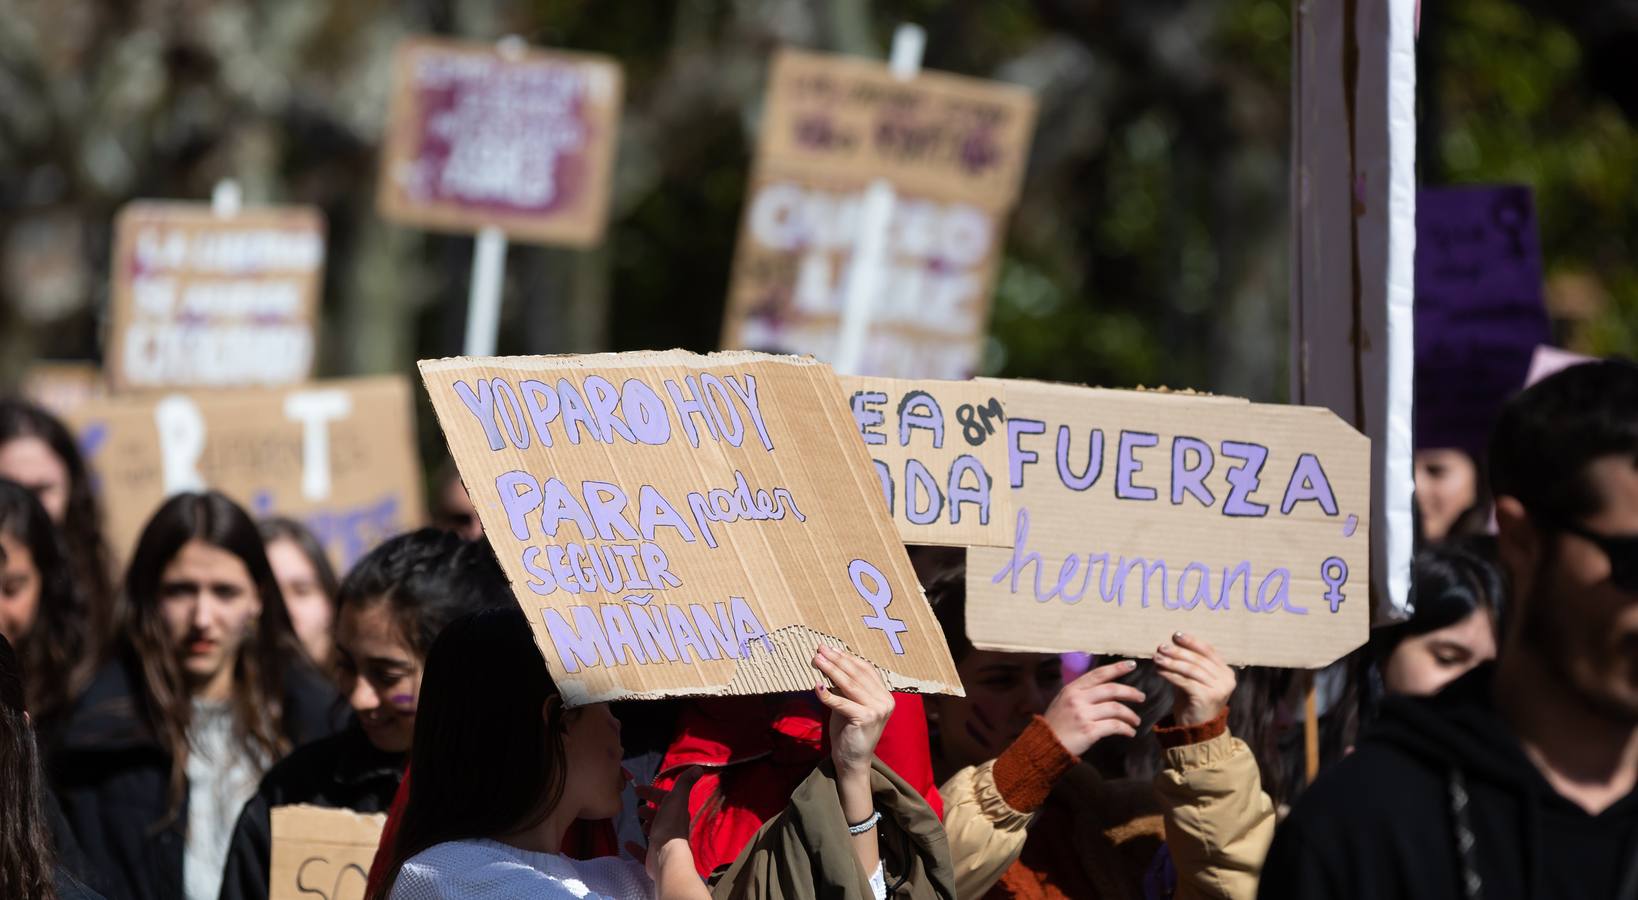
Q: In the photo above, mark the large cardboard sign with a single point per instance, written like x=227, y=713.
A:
x=322, y=853
x=940, y=451
x=62, y=386
x=674, y=524
x=1139, y=514
x=337, y=455
x=1480, y=312
x=481, y=135
x=202, y=299
x=954, y=150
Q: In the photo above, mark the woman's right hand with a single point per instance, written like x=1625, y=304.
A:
x=1093, y=707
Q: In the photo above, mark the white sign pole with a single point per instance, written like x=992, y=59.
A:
x=483, y=305
x=869, y=263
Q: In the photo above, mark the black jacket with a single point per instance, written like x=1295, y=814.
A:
x=112, y=778
x=343, y=771
x=1434, y=776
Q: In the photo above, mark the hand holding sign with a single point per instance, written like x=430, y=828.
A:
x=859, y=704
x=1202, y=682
x=1093, y=707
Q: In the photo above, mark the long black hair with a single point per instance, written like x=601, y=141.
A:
x=145, y=647
x=26, y=858
x=82, y=519
x=485, y=761
x=427, y=579
x=57, y=651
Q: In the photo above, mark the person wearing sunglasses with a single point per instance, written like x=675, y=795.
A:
x=1517, y=779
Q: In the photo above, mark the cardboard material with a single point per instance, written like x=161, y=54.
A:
x=207, y=300
x=954, y=150
x=1139, y=514
x=674, y=524
x=940, y=134
x=480, y=135
x=940, y=451
x=790, y=277
x=1480, y=310
x=322, y=853
x=337, y=455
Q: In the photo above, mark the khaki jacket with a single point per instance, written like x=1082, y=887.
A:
x=1217, y=823
x=805, y=852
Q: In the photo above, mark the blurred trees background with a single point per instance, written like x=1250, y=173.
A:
x=1149, y=246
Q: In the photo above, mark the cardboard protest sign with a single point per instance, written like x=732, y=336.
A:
x=479, y=135
x=324, y=853
x=939, y=134
x=1480, y=311
x=337, y=455
x=954, y=150
x=940, y=451
x=1139, y=514
x=201, y=299
x=674, y=524
x=790, y=277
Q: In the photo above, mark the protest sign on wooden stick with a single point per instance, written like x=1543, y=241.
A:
x=675, y=524
x=205, y=299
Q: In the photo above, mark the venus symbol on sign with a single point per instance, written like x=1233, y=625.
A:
x=880, y=597
x=1334, y=572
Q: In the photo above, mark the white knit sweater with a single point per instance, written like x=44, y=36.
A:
x=490, y=870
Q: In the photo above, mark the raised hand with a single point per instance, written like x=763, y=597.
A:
x=1201, y=682
x=859, y=705
x=1093, y=707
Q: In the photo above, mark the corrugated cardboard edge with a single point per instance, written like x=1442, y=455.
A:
x=621, y=360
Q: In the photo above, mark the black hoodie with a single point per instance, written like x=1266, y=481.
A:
x=1389, y=820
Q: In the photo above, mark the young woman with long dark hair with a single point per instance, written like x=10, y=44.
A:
x=205, y=688
x=502, y=768
x=393, y=605
x=308, y=584
x=41, y=611
x=38, y=452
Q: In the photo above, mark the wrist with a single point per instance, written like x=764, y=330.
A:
x=672, y=852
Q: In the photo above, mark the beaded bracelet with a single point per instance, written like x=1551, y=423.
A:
x=866, y=825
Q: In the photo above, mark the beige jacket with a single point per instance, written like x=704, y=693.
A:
x=1217, y=822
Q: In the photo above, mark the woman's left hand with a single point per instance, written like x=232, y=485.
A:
x=859, y=704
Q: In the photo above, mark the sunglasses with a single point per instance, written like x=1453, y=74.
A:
x=1622, y=551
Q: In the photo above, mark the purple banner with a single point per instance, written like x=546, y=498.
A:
x=1479, y=309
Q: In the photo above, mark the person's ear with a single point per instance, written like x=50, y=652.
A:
x=1518, y=542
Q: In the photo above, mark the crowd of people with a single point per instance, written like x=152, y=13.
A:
x=149, y=725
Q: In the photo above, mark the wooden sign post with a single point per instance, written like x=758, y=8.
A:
x=501, y=140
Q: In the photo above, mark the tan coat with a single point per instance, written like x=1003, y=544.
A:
x=1216, y=820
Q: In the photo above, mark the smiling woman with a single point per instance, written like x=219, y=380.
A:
x=205, y=688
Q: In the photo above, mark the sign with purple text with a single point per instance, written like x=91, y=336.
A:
x=201, y=299
x=1479, y=309
x=940, y=452
x=1137, y=514
x=675, y=524
x=338, y=456
x=955, y=151
x=484, y=135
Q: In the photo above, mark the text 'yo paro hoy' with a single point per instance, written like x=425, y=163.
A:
x=675, y=524
x=1106, y=520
